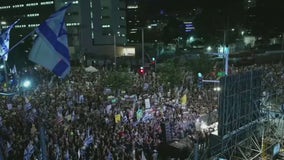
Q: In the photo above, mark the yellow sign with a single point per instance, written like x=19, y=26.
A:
x=183, y=100
x=117, y=118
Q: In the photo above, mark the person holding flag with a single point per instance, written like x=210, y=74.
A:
x=5, y=46
x=5, y=42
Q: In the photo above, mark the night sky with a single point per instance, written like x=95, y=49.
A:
x=224, y=13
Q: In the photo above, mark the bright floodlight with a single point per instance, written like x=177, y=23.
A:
x=218, y=89
x=191, y=39
x=27, y=83
x=1, y=66
x=199, y=75
x=209, y=48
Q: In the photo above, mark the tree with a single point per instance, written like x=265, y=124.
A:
x=173, y=30
x=117, y=80
x=170, y=74
x=203, y=65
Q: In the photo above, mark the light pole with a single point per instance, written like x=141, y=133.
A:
x=114, y=49
x=142, y=45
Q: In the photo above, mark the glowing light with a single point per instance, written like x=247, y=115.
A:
x=199, y=74
x=191, y=39
x=27, y=83
x=218, y=89
x=209, y=48
x=203, y=126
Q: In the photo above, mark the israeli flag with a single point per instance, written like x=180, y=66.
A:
x=5, y=42
x=29, y=151
x=88, y=141
x=50, y=49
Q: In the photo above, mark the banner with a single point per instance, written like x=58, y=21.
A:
x=117, y=118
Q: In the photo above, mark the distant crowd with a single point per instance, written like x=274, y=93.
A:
x=79, y=118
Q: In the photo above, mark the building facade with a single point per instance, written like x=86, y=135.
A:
x=103, y=26
x=93, y=26
x=133, y=21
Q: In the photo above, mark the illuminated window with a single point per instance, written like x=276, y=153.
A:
x=46, y=3
x=106, y=26
x=18, y=6
x=93, y=35
x=31, y=4
x=21, y=26
x=75, y=2
x=72, y=24
x=132, y=7
x=33, y=15
x=5, y=7
x=33, y=25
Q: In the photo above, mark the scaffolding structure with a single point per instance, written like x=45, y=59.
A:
x=251, y=125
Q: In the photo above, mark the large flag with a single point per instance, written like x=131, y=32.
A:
x=5, y=41
x=51, y=46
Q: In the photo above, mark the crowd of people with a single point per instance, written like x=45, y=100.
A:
x=78, y=118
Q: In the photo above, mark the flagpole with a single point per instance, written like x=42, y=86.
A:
x=10, y=49
x=5, y=69
x=4, y=59
x=15, y=45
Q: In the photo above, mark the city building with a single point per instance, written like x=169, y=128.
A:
x=95, y=28
x=31, y=13
x=133, y=21
x=103, y=27
x=248, y=4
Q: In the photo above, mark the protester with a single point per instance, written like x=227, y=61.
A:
x=84, y=120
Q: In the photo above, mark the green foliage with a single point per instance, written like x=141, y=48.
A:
x=203, y=65
x=172, y=30
x=117, y=79
x=172, y=72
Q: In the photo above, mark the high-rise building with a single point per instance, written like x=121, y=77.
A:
x=133, y=21
x=31, y=13
x=103, y=25
x=248, y=4
x=93, y=27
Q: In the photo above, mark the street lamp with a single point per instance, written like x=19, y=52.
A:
x=142, y=43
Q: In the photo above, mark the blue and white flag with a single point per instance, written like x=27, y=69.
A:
x=67, y=155
x=14, y=70
x=29, y=151
x=8, y=148
x=50, y=49
x=5, y=42
x=1, y=122
x=88, y=141
x=109, y=156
